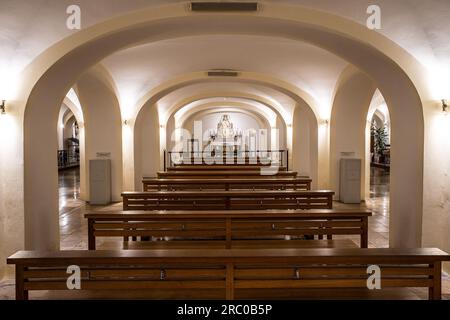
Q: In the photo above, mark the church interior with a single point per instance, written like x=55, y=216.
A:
x=224, y=150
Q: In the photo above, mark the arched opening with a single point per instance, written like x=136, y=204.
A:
x=71, y=167
x=377, y=171
x=251, y=89
x=389, y=76
x=68, y=157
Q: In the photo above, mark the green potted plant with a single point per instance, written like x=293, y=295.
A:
x=380, y=139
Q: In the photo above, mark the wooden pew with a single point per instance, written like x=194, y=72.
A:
x=220, y=167
x=221, y=174
x=226, y=228
x=231, y=271
x=225, y=159
x=228, y=200
x=268, y=183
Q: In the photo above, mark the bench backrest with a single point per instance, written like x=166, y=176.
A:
x=229, y=270
x=227, y=226
x=213, y=167
x=201, y=174
x=227, y=184
x=228, y=200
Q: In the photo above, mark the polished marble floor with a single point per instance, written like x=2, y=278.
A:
x=73, y=225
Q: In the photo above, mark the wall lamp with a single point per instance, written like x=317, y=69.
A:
x=3, y=107
x=444, y=105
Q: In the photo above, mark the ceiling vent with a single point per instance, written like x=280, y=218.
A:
x=222, y=73
x=224, y=6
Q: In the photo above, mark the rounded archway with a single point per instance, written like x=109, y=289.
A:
x=349, y=41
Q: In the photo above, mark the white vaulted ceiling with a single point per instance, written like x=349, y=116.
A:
x=139, y=69
x=29, y=27
x=277, y=100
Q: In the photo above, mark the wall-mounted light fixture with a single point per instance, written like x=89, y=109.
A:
x=3, y=107
x=444, y=105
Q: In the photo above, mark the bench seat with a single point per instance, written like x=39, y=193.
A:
x=230, y=271
x=228, y=200
x=229, y=225
x=267, y=183
x=240, y=244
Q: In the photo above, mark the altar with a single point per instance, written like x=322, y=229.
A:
x=226, y=139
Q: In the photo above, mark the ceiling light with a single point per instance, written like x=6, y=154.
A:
x=444, y=105
x=3, y=107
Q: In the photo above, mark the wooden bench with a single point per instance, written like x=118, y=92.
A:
x=226, y=228
x=225, y=159
x=221, y=167
x=239, y=244
x=232, y=271
x=228, y=200
x=220, y=174
x=268, y=183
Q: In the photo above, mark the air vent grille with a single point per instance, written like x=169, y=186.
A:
x=223, y=6
x=223, y=73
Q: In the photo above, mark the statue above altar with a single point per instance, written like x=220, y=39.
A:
x=225, y=128
x=226, y=136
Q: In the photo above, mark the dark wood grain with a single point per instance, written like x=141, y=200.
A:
x=264, y=183
x=228, y=200
x=229, y=269
x=228, y=226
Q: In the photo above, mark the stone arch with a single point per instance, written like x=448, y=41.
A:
x=348, y=123
x=102, y=126
x=300, y=96
x=59, y=67
x=146, y=135
x=378, y=118
x=248, y=109
x=239, y=107
x=228, y=94
x=305, y=146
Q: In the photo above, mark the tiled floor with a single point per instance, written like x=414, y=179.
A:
x=73, y=225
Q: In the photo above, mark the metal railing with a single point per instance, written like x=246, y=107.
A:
x=68, y=158
x=261, y=157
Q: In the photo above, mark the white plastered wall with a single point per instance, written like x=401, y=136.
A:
x=305, y=145
x=399, y=92
x=146, y=145
x=348, y=123
x=102, y=126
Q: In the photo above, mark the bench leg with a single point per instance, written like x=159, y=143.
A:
x=229, y=286
x=91, y=236
x=329, y=236
x=435, y=292
x=21, y=293
x=228, y=235
x=364, y=242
